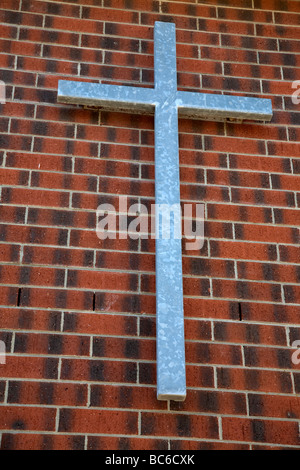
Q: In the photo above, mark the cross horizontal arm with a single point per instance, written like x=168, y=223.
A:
x=223, y=107
x=110, y=97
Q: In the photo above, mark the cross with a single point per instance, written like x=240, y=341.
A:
x=167, y=104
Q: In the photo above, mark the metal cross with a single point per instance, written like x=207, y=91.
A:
x=167, y=103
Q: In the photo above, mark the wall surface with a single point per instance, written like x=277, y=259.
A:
x=77, y=314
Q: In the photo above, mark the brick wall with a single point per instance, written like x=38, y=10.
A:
x=78, y=314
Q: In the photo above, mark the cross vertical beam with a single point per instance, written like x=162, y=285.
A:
x=167, y=104
x=170, y=350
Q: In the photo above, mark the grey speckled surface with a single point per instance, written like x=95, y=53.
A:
x=167, y=103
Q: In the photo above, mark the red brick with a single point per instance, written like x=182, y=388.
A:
x=264, y=197
x=45, y=393
x=102, y=280
x=288, y=18
x=244, y=332
x=247, y=290
x=124, y=348
x=292, y=293
x=66, y=257
x=289, y=253
x=16, y=142
x=220, y=144
x=256, y=356
x=254, y=130
x=40, y=320
x=14, y=177
x=271, y=31
x=286, y=217
x=18, y=18
x=31, y=419
x=230, y=84
x=70, y=53
x=43, y=8
x=270, y=271
x=182, y=22
x=276, y=58
x=89, y=239
x=291, y=5
x=90, y=323
x=263, y=233
x=75, y=25
x=98, y=167
x=274, y=406
x=254, y=43
x=249, y=70
x=6, y=61
x=17, y=109
x=114, y=396
x=18, y=48
x=31, y=161
x=178, y=444
x=198, y=329
x=49, y=298
x=196, y=66
x=236, y=213
x=46, y=36
x=289, y=182
x=209, y=308
x=41, y=128
x=259, y=163
x=34, y=276
x=111, y=442
x=36, y=197
x=228, y=55
x=177, y=8
x=30, y=367
x=9, y=31
x=201, y=267
x=262, y=380
x=9, y=253
x=107, y=14
x=209, y=401
x=260, y=430
x=246, y=251
x=197, y=37
x=195, y=426
x=98, y=421
x=43, y=65
x=61, y=146
x=24, y=441
x=44, y=344
x=145, y=5
x=98, y=370
x=276, y=312
x=277, y=87
x=235, y=178
x=211, y=353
